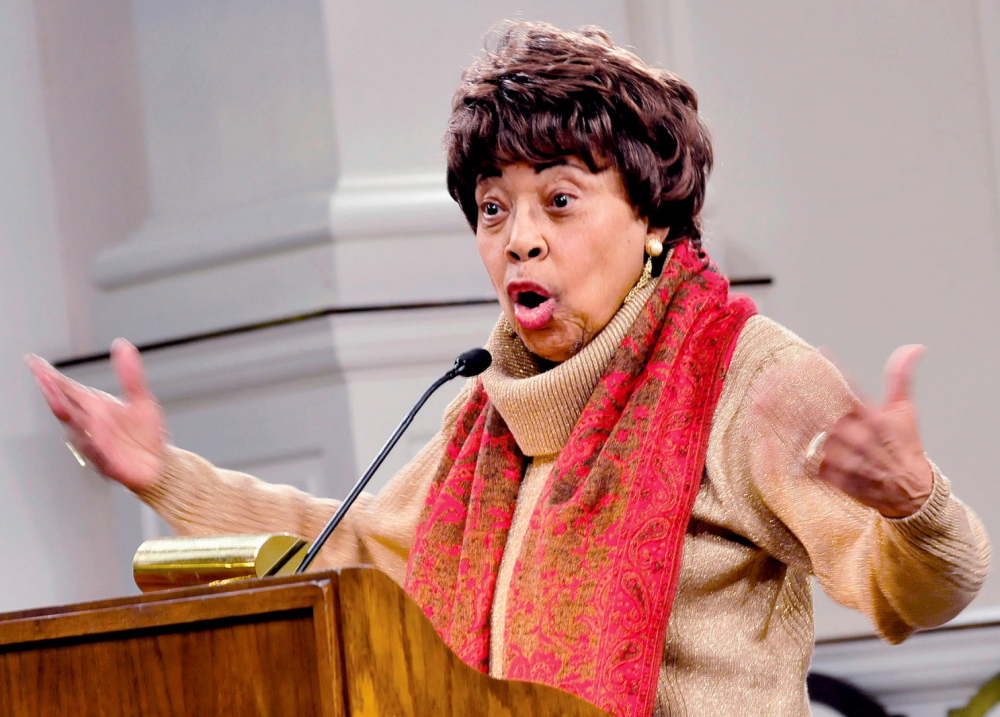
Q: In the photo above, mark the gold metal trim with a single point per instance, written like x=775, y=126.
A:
x=182, y=562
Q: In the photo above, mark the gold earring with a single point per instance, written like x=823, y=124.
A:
x=654, y=247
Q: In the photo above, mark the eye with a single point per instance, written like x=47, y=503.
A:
x=560, y=201
x=490, y=209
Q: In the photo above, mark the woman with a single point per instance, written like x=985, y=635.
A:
x=629, y=503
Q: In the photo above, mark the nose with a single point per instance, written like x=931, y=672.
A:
x=527, y=238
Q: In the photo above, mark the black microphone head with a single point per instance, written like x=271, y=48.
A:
x=472, y=363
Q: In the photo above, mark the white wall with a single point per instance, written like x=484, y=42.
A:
x=56, y=543
x=177, y=167
x=856, y=165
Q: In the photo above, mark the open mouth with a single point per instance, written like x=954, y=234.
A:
x=530, y=299
x=532, y=304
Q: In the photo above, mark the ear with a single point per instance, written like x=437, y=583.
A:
x=658, y=233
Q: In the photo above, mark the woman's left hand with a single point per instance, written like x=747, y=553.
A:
x=874, y=453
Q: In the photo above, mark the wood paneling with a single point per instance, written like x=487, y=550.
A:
x=325, y=644
x=269, y=649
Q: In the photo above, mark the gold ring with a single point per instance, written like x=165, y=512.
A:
x=76, y=454
x=816, y=446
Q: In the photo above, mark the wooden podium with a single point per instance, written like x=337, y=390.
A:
x=331, y=644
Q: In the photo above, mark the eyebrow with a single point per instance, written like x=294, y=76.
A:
x=541, y=167
x=491, y=171
x=487, y=172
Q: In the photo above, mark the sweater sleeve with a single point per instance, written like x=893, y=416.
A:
x=196, y=498
x=904, y=574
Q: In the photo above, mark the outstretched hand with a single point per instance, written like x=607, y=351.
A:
x=124, y=439
x=874, y=453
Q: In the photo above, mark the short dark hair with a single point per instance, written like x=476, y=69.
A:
x=543, y=93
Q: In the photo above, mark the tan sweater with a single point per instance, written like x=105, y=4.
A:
x=741, y=632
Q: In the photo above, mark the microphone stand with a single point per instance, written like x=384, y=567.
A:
x=470, y=363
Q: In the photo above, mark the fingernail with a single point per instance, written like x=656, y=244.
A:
x=36, y=359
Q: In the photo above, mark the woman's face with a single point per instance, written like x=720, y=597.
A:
x=562, y=246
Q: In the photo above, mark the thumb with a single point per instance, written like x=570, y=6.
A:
x=899, y=370
x=128, y=368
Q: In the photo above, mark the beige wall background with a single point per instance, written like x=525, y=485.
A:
x=173, y=168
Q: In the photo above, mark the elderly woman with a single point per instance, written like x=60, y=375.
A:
x=630, y=502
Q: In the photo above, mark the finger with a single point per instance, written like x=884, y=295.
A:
x=51, y=392
x=899, y=370
x=71, y=402
x=127, y=364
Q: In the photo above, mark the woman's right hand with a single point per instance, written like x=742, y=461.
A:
x=124, y=439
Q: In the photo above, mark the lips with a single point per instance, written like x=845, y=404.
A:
x=532, y=303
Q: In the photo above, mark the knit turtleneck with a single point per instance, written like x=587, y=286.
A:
x=541, y=408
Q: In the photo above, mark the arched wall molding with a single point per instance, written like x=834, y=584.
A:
x=344, y=346
x=414, y=204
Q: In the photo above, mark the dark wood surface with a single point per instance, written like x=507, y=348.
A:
x=260, y=648
x=326, y=644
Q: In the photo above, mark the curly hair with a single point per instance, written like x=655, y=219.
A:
x=543, y=93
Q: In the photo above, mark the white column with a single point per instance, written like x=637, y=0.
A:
x=295, y=160
x=294, y=163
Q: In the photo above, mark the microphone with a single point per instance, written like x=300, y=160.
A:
x=471, y=363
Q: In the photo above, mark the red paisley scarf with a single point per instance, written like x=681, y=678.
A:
x=595, y=580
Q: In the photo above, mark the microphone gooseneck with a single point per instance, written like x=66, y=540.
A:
x=471, y=363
